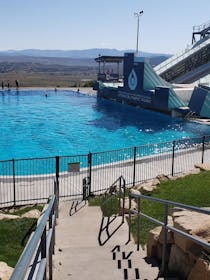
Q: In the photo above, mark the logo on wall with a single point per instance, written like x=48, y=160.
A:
x=132, y=80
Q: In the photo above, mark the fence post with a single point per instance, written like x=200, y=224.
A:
x=56, y=193
x=90, y=171
x=14, y=186
x=203, y=149
x=164, y=252
x=173, y=153
x=134, y=166
x=57, y=158
x=57, y=161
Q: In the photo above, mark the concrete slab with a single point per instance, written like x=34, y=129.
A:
x=78, y=254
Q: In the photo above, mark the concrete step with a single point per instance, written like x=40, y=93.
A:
x=98, y=263
x=82, y=228
x=78, y=254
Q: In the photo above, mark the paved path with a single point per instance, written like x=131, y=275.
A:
x=79, y=256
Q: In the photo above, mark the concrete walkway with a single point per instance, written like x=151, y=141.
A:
x=79, y=256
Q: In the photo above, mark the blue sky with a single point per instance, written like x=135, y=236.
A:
x=165, y=27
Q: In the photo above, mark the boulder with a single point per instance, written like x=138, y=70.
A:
x=170, y=234
x=201, y=270
x=5, y=271
x=193, y=171
x=149, y=183
x=180, y=263
x=35, y=213
x=148, y=187
x=194, y=223
x=126, y=206
x=203, y=166
x=135, y=192
x=173, y=178
x=152, y=242
x=162, y=177
x=184, y=174
x=8, y=216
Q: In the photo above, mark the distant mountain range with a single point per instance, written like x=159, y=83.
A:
x=88, y=53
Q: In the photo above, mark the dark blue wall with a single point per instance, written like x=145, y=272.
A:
x=197, y=99
x=138, y=67
x=160, y=100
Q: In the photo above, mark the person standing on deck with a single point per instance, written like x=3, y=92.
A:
x=17, y=83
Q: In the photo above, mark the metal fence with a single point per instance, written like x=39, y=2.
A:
x=31, y=180
x=166, y=204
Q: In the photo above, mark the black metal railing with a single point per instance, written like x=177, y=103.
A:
x=31, y=180
x=165, y=224
x=36, y=259
x=112, y=206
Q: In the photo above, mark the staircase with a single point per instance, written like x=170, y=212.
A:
x=78, y=254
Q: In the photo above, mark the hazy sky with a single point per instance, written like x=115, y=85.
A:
x=165, y=26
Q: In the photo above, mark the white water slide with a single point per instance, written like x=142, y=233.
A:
x=178, y=62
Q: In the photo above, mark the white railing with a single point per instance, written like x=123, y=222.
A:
x=179, y=57
x=201, y=27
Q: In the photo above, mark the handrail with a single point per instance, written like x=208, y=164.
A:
x=42, y=238
x=112, y=191
x=119, y=192
x=164, y=224
x=203, y=26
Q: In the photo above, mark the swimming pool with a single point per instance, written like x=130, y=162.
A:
x=67, y=123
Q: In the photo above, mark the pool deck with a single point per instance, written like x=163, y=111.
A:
x=84, y=90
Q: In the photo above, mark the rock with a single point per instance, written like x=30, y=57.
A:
x=201, y=270
x=180, y=263
x=162, y=177
x=184, y=174
x=193, y=171
x=171, y=211
x=183, y=243
x=148, y=187
x=135, y=192
x=170, y=234
x=35, y=213
x=152, y=242
x=194, y=223
x=173, y=178
x=203, y=166
x=5, y=271
x=195, y=252
x=155, y=182
x=8, y=216
x=126, y=206
x=148, y=183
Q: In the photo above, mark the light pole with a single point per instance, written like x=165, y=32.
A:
x=137, y=39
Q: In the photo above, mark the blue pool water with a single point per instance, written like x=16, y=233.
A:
x=68, y=123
